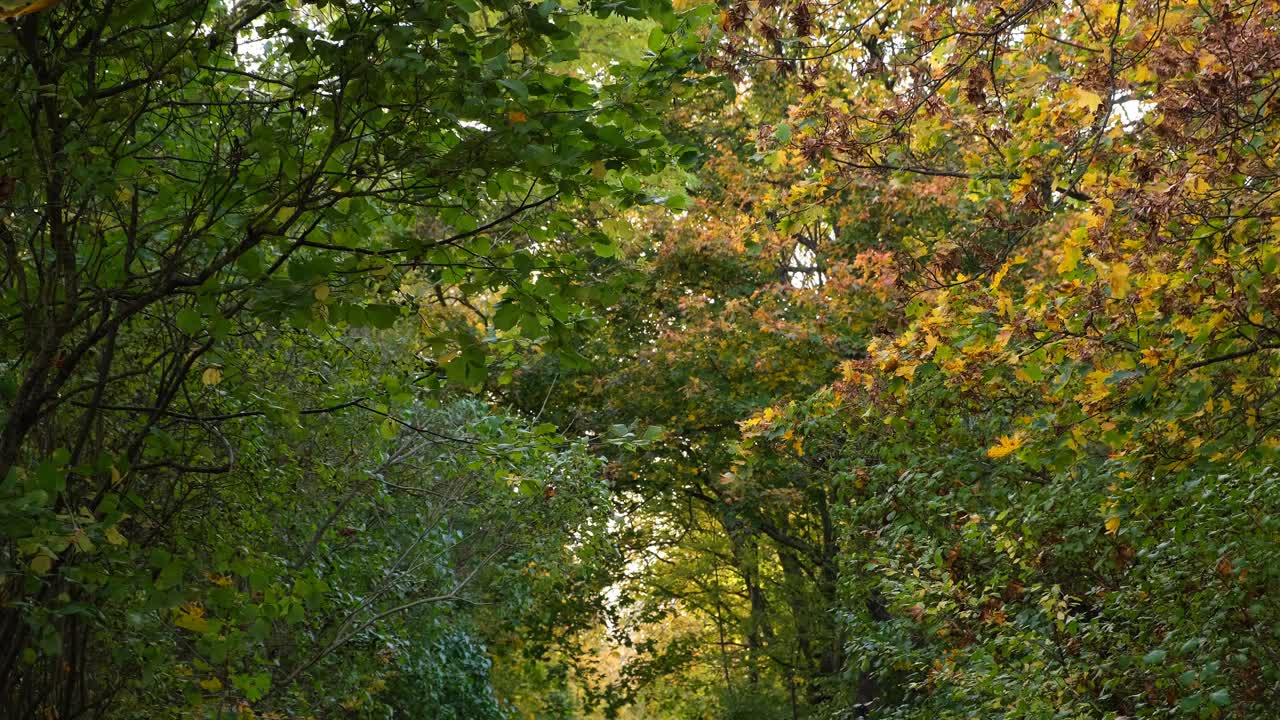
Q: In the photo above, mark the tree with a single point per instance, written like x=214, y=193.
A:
x=722, y=316
x=1086, y=256
x=1055, y=381
x=205, y=206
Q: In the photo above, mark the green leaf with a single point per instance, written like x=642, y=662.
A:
x=506, y=315
x=382, y=316
x=657, y=39
x=189, y=321
x=1154, y=657
x=388, y=429
x=40, y=564
x=51, y=476
x=253, y=686
x=517, y=88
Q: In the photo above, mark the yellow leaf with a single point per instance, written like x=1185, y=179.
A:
x=191, y=617
x=907, y=371
x=213, y=684
x=1086, y=100
x=1004, y=270
x=321, y=292
x=114, y=537
x=1006, y=445
x=598, y=169
x=1098, y=389
x=25, y=7
x=41, y=564
x=1005, y=304
x=1071, y=252
x=211, y=376
x=1118, y=279
x=1002, y=339
x=1019, y=188
x=1113, y=525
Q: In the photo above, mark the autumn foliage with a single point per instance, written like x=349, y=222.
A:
x=1012, y=419
x=760, y=359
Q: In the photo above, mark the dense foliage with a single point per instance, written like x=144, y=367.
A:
x=770, y=359
x=965, y=351
x=253, y=253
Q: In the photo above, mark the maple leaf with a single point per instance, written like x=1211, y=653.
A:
x=114, y=537
x=907, y=371
x=24, y=7
x=1006, y=445
x=212, y=684
x=191, y=617
x=1118, y=280
x=1072, y=250
x=219, y=580
x=1087, y=100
